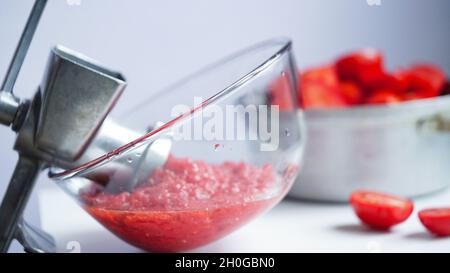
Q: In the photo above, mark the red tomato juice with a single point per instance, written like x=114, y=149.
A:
x=186, y=203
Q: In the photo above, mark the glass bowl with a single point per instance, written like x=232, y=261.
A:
x=196, y=161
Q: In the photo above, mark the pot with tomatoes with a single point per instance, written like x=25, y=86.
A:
x=373, y=128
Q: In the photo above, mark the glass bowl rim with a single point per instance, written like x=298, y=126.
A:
x=285, y=46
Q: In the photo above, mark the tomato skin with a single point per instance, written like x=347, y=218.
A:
x=380, y=210
x=383, y=80
x=354, y=65
x=351, y=92
x=326, y=75
x=319, y=88
x=383, y=96
x=436, y=220
x=421, y=81
x=317, y=95
x=431, y=74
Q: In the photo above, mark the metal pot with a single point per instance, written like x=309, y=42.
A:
x=401, y=149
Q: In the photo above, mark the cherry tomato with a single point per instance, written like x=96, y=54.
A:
x=383, y=96
x=354, y=65
x=319, y=88
x=316, y=95
x=325, y=75
x=379, y=210
x=422, y=81
x=436, y=220
x=351, y=92
x=429, y=73
x=359, y=78
x=380, y=80
x=402, y=77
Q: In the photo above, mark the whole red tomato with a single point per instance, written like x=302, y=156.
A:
x=359, y=64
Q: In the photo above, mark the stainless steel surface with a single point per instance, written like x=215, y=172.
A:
x=152, y=157
x=77, y=94
x=9, y=105
x=63, y=118
x=68, y=109
x=134, y=169
x=400, y=149
x=16, y=198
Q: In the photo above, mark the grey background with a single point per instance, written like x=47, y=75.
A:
x=156, y=42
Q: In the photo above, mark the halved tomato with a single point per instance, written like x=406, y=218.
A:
x=380, y=210
x=436, y=220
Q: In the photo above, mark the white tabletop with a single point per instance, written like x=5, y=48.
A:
x=292, y=226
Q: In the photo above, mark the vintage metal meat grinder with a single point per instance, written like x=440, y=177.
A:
x=61, y=126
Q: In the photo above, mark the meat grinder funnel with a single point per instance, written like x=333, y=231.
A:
x=77, y=94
